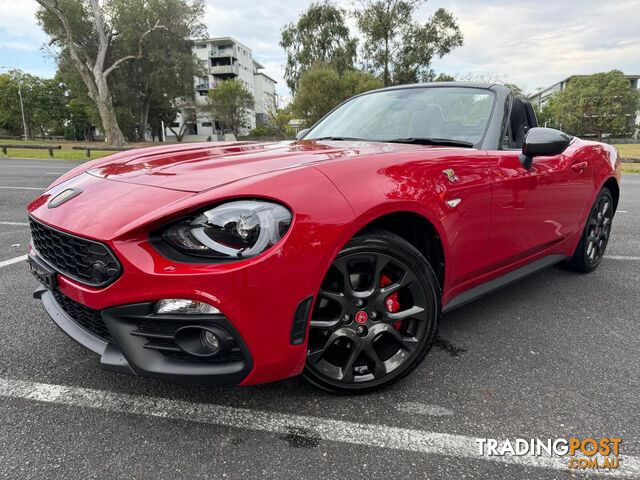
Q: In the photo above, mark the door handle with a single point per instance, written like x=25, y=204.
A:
x=579, y=166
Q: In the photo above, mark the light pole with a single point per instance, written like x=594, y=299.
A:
x=24, y=123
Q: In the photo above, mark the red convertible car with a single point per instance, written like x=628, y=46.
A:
x=333, y=255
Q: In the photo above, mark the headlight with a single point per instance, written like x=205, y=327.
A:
x=237, y=229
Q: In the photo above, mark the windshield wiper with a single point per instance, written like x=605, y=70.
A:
x=432, y=141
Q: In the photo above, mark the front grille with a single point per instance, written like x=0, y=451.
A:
x=87, y=317
x=80, y=259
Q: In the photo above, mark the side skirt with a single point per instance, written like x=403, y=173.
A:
x=502, y=281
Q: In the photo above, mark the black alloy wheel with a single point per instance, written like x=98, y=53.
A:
x=375, y=316
x=595, y=236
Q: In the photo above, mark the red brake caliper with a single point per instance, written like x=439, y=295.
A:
x=391, y=302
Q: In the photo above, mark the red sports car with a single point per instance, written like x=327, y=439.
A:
x=333, y=255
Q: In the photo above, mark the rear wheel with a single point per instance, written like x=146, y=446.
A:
x=595, y=237
x=375, y=316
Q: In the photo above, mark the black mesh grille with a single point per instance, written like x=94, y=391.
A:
x=86, y=261
x=87, y=317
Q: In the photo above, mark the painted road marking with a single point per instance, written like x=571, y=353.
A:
x=621, y=257
x=381, y=436
x=423, y=409
x=11, y=261
x=22, y=188
x=21, y=224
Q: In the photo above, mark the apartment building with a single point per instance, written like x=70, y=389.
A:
x=225, y=58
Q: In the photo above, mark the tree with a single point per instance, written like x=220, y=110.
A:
x=229, y=104
x=399, y=49
x=189, y=118
x=43, y=99
x=599, y=104
x=320, y=35
x=80, y=125
x=322, y=88
x=516, y=90
x=85, y=33
x=443, y=77
x=168, y=66
x=10, y=115
x=280, y=120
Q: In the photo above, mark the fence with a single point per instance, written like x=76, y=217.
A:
x=88, y=149
x=51, y=148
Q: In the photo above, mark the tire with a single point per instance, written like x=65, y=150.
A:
x=595, y=235
x=366, y=335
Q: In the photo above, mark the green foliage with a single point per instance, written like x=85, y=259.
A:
x=80, y=124
x=599, y=104
x=516, y=90
x=44, y=102
x=280, y=120
x=443, y=77
x=322, y=88
x=228, y=104
x=320, y=35
x=399, y=49
x=546, y=117
x=262, y=131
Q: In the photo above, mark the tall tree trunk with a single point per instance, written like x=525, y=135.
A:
x=112, y=133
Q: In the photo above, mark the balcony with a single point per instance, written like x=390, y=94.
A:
x=224, y=52
x=225, y=70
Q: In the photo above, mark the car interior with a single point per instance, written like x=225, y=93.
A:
x=522, y=119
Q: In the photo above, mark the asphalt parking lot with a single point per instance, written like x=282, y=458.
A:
x=553, y=356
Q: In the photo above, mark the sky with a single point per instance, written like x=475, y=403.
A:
x=533, y=44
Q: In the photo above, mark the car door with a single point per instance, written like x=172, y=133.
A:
x=533, y=209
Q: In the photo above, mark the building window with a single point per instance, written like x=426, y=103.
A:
x=207, y=124
x=201, y=45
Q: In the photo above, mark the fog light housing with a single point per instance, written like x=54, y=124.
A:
x=200, y=341
x=210, y=341
x=182, y=306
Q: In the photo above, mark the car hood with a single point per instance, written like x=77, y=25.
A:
x=201, y=166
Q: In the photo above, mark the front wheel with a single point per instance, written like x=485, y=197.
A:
x=375, y=317
x=595, y=236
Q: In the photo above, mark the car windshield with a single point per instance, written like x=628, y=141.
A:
x=430, y=115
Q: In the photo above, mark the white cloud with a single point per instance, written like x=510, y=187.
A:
x=15, y=45
x=533, y=44
x=537, y=44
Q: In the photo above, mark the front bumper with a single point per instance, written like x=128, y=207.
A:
x=133, y=340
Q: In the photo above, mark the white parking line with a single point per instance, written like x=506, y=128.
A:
x=11, y=261
x=23, y=188
x=423, y=409
x=621, y=257
x=381, y=436
x=21, y=224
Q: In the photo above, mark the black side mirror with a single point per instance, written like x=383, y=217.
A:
x=301, y=133
x=541, y=141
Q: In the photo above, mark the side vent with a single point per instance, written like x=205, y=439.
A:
x=299, y=326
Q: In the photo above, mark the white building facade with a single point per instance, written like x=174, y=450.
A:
x=225, y=58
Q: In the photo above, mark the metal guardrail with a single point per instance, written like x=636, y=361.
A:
x=88, y=149
x=51, y=148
